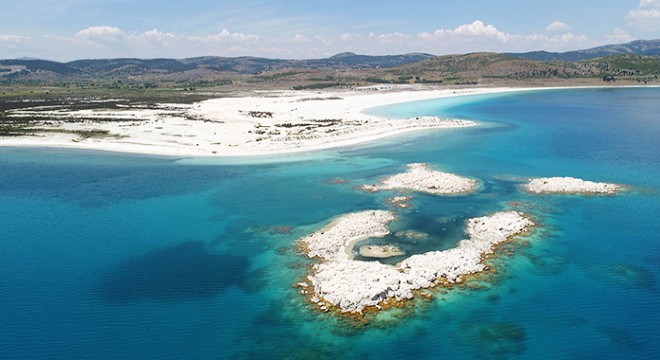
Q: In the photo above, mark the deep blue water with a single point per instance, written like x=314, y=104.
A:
x=126, y=256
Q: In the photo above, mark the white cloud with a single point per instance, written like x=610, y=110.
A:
x=468, y=32
x=646, y=16
x=159, y=35
x=224, y=43
x=226, y=35
x=14, y=38
x=109, y=41
x=14, y=45
x=109, y=37
x=557, y=26
x=391, y=38
x=153, y=39
x=477, y=36
x=99, y=32
x=299, y=39
x=619, y=36
x=476, y=29
x=112, y=42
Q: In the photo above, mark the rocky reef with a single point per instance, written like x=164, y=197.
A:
x=338, y=281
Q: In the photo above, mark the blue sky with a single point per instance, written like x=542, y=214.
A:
x=75, y=29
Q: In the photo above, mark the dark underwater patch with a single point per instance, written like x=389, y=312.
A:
x=183, y=272
x=625, y=275
x=621, y=337
x=492, y=340
x=94, y=179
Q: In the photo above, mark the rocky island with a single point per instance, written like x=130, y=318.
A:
x=339, y=282
x=569, y=185
x=420, y=178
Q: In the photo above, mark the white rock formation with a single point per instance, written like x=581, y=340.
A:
x=337, y=238
x=422, y=179
x=569, y=185
x=352, y=285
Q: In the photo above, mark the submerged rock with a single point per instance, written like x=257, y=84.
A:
x=402, y=202
x=492, y=340
x=380, y=251
x=411, y=234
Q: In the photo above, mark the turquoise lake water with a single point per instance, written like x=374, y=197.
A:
x=111, y=256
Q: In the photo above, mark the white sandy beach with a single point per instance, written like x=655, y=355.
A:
x=264, y=123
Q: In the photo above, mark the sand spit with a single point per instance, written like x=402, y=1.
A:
x=351, y=285
x=420, y=178
x=569, y=185
x=253, y=124
x=261, y=123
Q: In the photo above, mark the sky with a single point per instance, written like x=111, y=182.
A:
x=65, y=30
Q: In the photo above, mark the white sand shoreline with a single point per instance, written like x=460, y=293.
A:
x=268, y=123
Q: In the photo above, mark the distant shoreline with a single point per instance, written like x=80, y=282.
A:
x=265, y=123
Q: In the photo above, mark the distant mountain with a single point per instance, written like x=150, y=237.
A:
x=352, y=60
x=27, y=58
x=476, y=67
x=638, y=47
x=491, y=65
x=122, y=68
x=41, y=66
x=637, y=60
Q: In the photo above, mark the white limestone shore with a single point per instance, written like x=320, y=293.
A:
x=259, y=123
x=569, y=185
x=420, y=178
x=351, y=286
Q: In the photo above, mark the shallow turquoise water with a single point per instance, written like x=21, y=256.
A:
x=126, y=256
